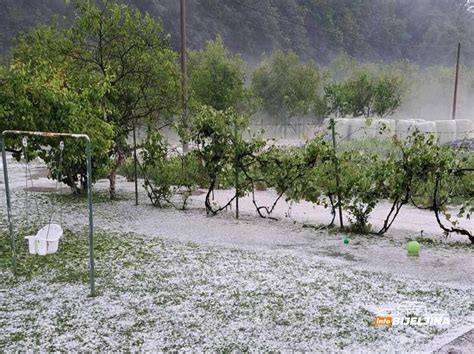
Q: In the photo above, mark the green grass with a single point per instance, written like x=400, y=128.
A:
x=152, y=288
x=381, y=148
x=98, y=197
x=69, y=265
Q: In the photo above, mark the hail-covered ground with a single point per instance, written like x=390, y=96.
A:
x=170, y=279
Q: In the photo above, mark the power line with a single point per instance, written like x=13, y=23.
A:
x=318, y=29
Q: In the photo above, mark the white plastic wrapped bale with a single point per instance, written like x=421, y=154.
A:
x=389, y=126
x=359, y=129
x=309, y=130
x=464, y=129
x=341, y=128
x=404, y=128
x=446, y=130
x=427, y=128
x=324, y=128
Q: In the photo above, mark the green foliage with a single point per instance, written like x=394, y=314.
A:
x=440, y=175
x=400, y=172
x=166, y=173
x=362, y=186
x=128, y=49
x=419, y=168
x=287, y=87
x=37, y=95
x=221, y=148
x=388, y=93
x=111, y=49
x=127, y=170
x=216, y=77
x=364, y=29
x=361, y=176
x=220, y=151
x=69, y=265
x=281, y=169
x=365, y=95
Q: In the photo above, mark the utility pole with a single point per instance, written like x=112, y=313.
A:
x=456, y=82
x=184, y=76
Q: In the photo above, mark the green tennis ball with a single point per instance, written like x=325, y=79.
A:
x=346, y=241
x=413, y=247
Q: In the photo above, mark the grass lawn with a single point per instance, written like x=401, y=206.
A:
x=156, y=294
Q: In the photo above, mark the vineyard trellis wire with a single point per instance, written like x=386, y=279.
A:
x=291, y=169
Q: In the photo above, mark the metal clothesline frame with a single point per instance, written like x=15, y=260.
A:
x=89, y=194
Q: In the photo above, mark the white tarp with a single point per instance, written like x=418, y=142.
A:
x=359, y=129
x=463, y=129
x=341, y=128
x=446, y=131
x=405, y=127
x=384, y=128
x=427, y=128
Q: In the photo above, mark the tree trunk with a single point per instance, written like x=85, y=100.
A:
x=113, y=174
x=112, y=180
x=72, y=184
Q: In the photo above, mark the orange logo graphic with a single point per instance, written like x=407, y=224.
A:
x=382, y=321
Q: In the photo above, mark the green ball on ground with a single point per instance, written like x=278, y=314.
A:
x=413, y=248
x=346, y=241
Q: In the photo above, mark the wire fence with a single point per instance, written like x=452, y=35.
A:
x=297, y=135
x=304, y=129
x=298, y=132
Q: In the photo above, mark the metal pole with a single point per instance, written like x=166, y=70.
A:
x=91, y=221
x=25, y=153
x=336, y=167
x=89, y=193
x=456, y=82
x=135, y=162
x=236, y=170
x=9, y=205
x=184, y=74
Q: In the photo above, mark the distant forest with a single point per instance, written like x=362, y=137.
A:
x=422, y=31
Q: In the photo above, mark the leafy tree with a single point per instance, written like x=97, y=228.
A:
x=388, y=92
x=39, y=96
x=287, y=87
x=115, y=44
x=128, y=49
x=218, y=146
x=365, y=95
x=216, y=77
x=165, y=172
x=439, y=174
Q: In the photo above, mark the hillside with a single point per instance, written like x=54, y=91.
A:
x=424, y=31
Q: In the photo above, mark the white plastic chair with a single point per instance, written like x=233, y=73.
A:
x=46, y=240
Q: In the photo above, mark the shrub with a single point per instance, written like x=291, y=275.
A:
x=165, y=175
